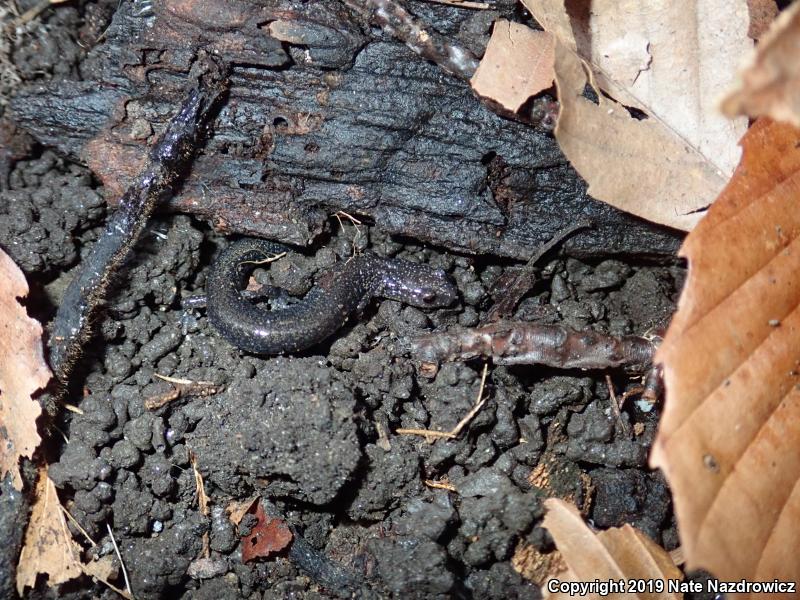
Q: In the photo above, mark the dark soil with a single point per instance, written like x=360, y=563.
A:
x=313, y=435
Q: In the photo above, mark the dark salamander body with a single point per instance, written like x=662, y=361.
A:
x=348, y=286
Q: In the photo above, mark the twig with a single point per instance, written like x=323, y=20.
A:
x=340, y=213
x=265, y=261
x=201, y=497
x=77, y=525
x=393, y=18
x=200, y=490
x=462, y=4
x=451, y=57
x=526, y=277
x=479, y=402
x=181, y=387
x=429, y=434
x=524, y=343
x=121, y=562
x=356, y=225
x=166, y=160
x=72, y=408
x=441, y=485
x=33, y=12
x=615, y=404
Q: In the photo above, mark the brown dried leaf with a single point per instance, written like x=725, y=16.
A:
x=762, y=14
x=770, y=84
x=49, y=547
x=518, y=64
x=268, y=537
x=622, y=553
x=536, y=566
x=674, y=162
x=670, y=59
x=634, y=165
x=728, y=437
x=22, y=372
x=238, y=509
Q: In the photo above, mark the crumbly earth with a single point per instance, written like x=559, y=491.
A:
x=314, y=435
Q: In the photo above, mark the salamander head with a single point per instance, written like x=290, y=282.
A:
x=415, y=284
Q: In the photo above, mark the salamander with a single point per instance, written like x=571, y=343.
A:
x=346, y=288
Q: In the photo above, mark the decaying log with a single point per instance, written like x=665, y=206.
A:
x=323, y=115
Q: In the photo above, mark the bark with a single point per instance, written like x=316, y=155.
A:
x=325, y=115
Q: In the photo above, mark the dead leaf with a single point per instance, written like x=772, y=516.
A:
x=770, y=84
x=728, y=438
x=238, y=509
x=668, y=60
x=622, y=553
x=517, y=64
x=22, y=372
x=49, y=548
x=637, y=166
x=268, y=537
x=200, y=489
x=536, y=566
x=762, y=14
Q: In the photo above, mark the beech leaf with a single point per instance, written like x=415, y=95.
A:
x=619, y=554
x=49, y=548
x=22, y=372
x=517, y=64
x=770, y=84
x=670, y=61
x=637, y=166
x=728, y=437
x=762, y=14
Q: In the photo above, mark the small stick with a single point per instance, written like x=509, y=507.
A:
x=453, y=433
x=615, y=404
x=479, y=402
x=451, y=57
x=265, y=261
x=72, y=408
x=637, y=389
x=167, y=158
x=77, y=525
x=33, y=12
x=441, y=485
x=392, y=17
x=462, y=4
x=121, y=562
x=201, y=497
x=356, y=225
x=526, y=277
x=428, y=433
x=525, y=343
x=181, y=387
x=200, y=489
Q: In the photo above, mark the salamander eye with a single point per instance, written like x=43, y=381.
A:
x=429, y=297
